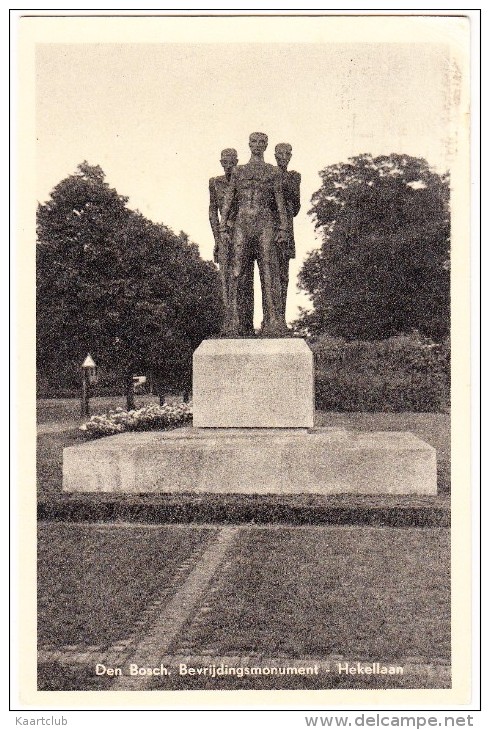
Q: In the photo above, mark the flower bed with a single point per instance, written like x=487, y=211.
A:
x=149, y=418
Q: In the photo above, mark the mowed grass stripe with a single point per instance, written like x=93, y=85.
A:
x=157, y=641
x=358, y=591
x=94, y=585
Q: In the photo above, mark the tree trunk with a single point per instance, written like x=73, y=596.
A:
x=129, y=392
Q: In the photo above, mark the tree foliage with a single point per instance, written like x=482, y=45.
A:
x=110, y=282
x=383, y=267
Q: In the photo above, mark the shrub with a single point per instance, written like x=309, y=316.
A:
x=149, y=418
x=403, y=373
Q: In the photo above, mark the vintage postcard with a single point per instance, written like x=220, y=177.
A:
x=244, y=274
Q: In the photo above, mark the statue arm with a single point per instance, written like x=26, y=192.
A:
x=227, y=203
x=213, y=210
x=280, y=203
x=293, y=192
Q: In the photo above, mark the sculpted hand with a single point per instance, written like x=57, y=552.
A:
x=281, y=236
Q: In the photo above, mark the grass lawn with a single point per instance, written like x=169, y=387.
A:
x=361, y=592
x=94, y=582
x=54, y=677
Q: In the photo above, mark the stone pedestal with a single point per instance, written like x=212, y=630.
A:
x=252, y=461
x=253, y=383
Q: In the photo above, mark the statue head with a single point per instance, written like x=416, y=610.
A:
x=283, y=153
x=258, y=142
x=229, y=159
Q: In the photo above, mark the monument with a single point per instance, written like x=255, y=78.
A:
x=261, y=229
x=264, y=382
x=291, y=181
x=257, y=204
x=222, y=253
x=253, y=396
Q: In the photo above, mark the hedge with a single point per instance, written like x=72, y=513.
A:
x=404, y=373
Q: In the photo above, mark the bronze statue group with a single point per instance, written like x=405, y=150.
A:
x=251, y=211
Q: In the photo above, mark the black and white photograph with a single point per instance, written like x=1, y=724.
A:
x=246, y=250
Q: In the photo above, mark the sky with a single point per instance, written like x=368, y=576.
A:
x=156, y=116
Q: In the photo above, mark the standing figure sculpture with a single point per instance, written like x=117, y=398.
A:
x=261, y=231
x=291, y=181
x=222, y=254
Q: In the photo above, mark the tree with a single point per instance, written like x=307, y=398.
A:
x=383, y=267
x=109, y=281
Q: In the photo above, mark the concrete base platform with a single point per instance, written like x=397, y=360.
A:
x=253, y=461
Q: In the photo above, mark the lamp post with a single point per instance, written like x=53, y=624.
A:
x=89, y=376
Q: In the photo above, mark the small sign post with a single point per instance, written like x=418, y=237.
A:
x=89, y=376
